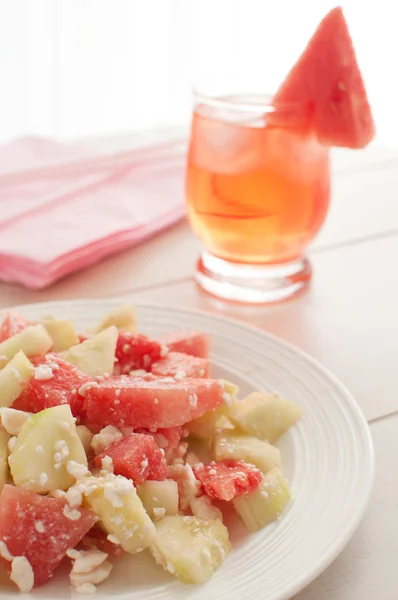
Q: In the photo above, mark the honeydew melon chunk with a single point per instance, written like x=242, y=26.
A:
x=231, y=391
x=85, y=436
x=204, y=427
x=14, y=377
x=265, y=416
x=114, y=499
x=62, y=333
x=266, y=503
x=159, y=496
x=4, y=469
x=250, y=449
x=123, y=317
x=95, y=356
x=44, y=446
x=33, y=341
x=190, y=548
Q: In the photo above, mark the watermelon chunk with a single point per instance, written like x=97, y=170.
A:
x=12, y=323
x=169, y=437
x=227, y=479
x=151, y=402
x=36, y=527
x=136, y=457
x=326, y=80
x=188, y=342
x=61, y=388
x=97, y=539
x=178, y=364
x=82, y=337
x=135, y=351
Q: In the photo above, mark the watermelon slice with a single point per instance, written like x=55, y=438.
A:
x=136, y=457
x=326, y=80
x=37, y=527
x=97, y=539
x=188, y=342
x=135, y=351
x=168, y=438
x=62, y=386
x=227, y=479
x=151, y=402
x=180, y=365
x=12, y=323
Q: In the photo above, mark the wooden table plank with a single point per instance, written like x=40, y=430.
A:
x=348, y=320
x=367, y=568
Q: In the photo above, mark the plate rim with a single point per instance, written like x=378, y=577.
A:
x=337, y=546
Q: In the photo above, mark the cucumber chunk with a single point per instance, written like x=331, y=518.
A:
x=159, y=498
x=265, y=504
x=95, y=356
x=190, y=548
x=86, y=437
x=33, y=341
x=265, y=416
x=250, y=449
x=4, y=469
x=123, y=317
x=14, y=378
x=114, y=499
x=46, y=443
x=62, y=333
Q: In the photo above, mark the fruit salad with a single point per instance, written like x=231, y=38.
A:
x=99, y=456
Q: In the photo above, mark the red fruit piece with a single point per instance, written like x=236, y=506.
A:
x=62, y=388
x=227, y=479
x=97, y=538
x=180, y=365
x=81, y=337
x=12, y=324
x=326, y=81
x=136, y=457
x=135, y=351
x=165, y=438
x=151, y=402
x=36, y=527
x=188, y=342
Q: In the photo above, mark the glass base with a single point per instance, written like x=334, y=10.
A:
x=252, y=284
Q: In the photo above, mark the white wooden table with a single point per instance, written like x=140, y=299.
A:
x=350, y=326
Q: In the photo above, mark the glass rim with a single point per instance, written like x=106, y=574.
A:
x=228, y=102
x=222, y=102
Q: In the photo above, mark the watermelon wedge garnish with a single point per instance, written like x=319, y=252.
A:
x=327, y=82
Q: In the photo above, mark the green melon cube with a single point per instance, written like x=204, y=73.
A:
x=159, y=498
x=45, y=445
x=123, y=317
x=266, y=503
x=191, y=548
x=95, y=356
x=4, y=470
x=265, y=416
x=14, y=378
x=33, y=341
x=250, y=449
x=62, y=333
x=114, y=499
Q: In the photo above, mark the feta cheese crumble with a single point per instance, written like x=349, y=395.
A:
x=43, y=372
x=22, y=573
x=106, y=437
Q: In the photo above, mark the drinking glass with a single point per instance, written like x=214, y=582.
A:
x=257, y=192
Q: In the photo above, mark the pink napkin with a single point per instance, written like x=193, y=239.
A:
x=63, y=208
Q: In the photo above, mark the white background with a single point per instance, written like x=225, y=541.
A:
x=74, y=68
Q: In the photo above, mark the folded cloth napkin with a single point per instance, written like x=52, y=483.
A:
x=63, y=209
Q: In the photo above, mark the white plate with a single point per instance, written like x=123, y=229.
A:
x=327, y=457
